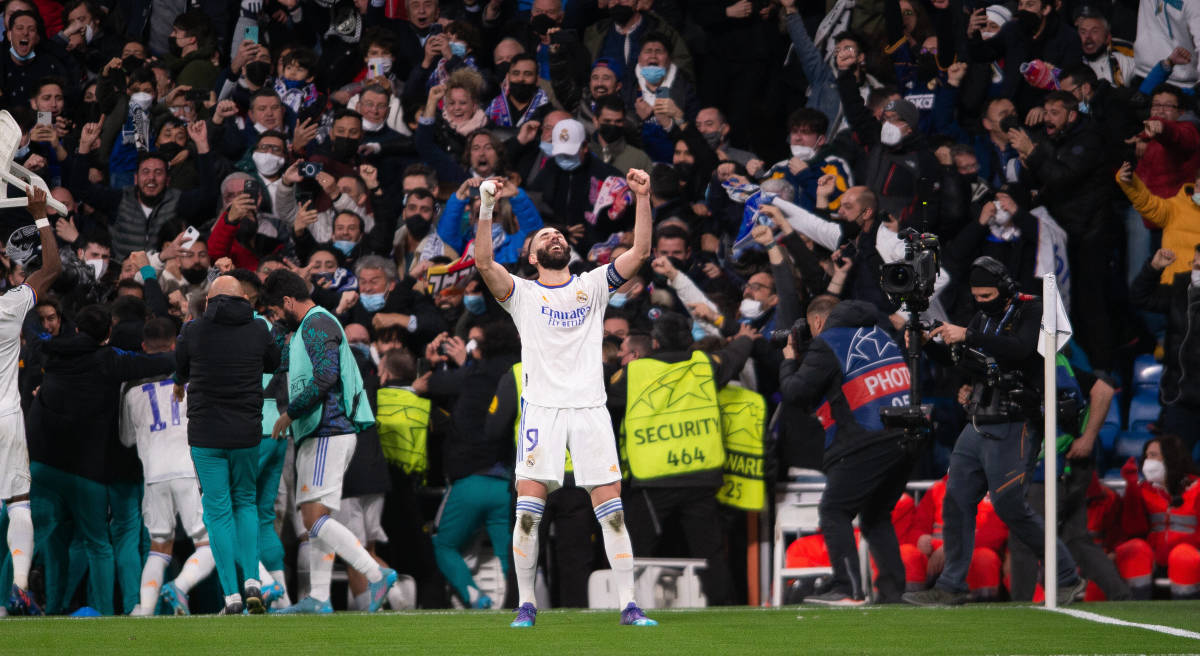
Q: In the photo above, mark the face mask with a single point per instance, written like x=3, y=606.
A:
x=1002, y=216
x=619, y=299
x=621, y=14
x=371, y=126
x=541, y=23
x=1029, y=21
x=713, y=139
x=653, y=74
x=522, y=92
x=1195, y=278
x=141, y=99
x=987, y=35
x=372, y=302
x=1154, y=471
x=502, y=70
x=474, y=304
x=21, y=152
x=1085, y=107
x=17, y=57
x=195, y=275
x=611, y=133
x=384, y=64
x=98, y=267
x=417, y=227
x=889, y=134
x=267, y=163
x=803, y=152
x=472, y=347
x=343, y=149
x=547, y=148
x=1196, y=198
x=88, y=33
x=567, y=162
x=993, y=307
x=344, y=246
x=698, y=332
x=685, y=170
x=458, y=49
x=256, y=72
x=750, y=308
x=292, y=84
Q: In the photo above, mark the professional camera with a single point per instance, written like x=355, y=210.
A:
x=1002, y=395
x=798, y=331
x=910, y=281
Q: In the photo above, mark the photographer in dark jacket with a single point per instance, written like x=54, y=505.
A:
x=855, y=366
x=224, y=355
x=72, y=431
x=996, y=450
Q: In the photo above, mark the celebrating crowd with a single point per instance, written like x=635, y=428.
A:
x=309, y=172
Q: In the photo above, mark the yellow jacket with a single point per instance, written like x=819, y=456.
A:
x=1178, y=217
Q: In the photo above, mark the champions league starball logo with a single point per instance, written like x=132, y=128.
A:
x=23, y=244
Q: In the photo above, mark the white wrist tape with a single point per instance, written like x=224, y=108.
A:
x=42, y=223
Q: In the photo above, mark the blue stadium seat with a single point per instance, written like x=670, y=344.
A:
x=1146, y=374
x=1143, y=411
x=1129, y=444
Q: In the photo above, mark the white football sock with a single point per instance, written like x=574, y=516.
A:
x=264, y=575
x=320, y=566
x=303, y=569
x=229, y=599
x=152, y=579
x=611, y=515
x=525, y=546
x=338, y=539
x=198, y=566
x=280, y=578
x=20, y=542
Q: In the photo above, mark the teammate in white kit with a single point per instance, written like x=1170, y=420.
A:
x=152, y=419
x=14, y=456
x=560, y=317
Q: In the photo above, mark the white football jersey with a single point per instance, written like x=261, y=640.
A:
x=151, y=419
x=14, y=305
x=562, y=329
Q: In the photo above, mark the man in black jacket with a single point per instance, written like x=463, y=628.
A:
x=224, y=355
x=1180, y=301
x=72, y=422
x=855, y=366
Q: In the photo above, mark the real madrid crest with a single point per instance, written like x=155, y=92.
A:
x=581, y=296
x=563, y=135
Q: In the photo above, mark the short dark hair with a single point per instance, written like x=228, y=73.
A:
x=346, y=113
x=378, y=36
x=500, y=338
x=1181, y=98
x=660, y=38
x=850, y=35
x=250, y=284
x=302, y=57
x=671, y=232
x=423, y=170
x=141, y=75
x=94, y=321
x=130, y=308
x=611, y=102
x=809, y=119
x=399, y=364
x=47, y=81
x=264, y=92
x=1063, y=97
x=420, y=193
x=283, y=283
x=1082, y=74
x=195, y=23
x=672, y=332
x=522, y=56
x=271, y=133
x=159, y=330
x=822, y=305
x=142, y=157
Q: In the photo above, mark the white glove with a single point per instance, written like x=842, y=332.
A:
x=371, y=148
x=487, y=198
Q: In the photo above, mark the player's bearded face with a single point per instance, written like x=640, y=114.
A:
x=554, y=255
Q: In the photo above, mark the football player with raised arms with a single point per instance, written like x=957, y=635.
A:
x=561, y=318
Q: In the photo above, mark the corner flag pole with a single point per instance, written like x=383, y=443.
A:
x=1050, y=437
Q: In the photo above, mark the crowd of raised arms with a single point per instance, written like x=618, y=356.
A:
x=792, y=149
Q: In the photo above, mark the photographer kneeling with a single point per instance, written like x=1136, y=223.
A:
x=858, y=369
x=996, y=450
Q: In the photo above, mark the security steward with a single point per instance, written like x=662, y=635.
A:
x=667, y=408
x=996, y=450
x=854, y=369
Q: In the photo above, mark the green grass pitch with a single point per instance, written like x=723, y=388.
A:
x=972, y=629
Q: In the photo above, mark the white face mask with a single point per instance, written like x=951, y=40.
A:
x=141, y=99
x=98, y=267
x=889, y=134
x=1195, y=277
x=987, y=35
x=803, y=152
x=750, y=308
x=267, y=163
x=1155, y=471
x=88, y=33
x=1002, y=216
x=371, y=126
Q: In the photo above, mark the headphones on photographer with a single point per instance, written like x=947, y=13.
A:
x=1007, y=286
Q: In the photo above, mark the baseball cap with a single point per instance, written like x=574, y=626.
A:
x=907, y=111
x=568, y=137
x=610, y=63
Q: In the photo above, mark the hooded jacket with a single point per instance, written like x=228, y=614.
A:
x=1177, y=216
x=223, y=356
x=73, y=419
x=1180, y=301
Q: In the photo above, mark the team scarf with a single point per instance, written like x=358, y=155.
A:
x=442, y=72
x=498, y=110
x=296, y=98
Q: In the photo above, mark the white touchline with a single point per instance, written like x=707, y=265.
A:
x=1103, y=619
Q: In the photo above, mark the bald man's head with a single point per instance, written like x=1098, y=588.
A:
x=226, y=286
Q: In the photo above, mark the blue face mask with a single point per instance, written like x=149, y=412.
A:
x=618, y=299
x=1196, y=198
x=373, y=302
x=1084, y=107
x=654, y=74
x=458, y=49
x=474, y=304
x=17, y=57
x=344, y=246
x=22, y=152
x=698, y=332
x=547, y=148
x=293, y=84
x=568, y=162
x=364, y=349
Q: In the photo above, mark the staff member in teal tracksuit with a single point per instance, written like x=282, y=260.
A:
x=224, y=354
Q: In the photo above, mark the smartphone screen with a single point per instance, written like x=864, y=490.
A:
x=250, y=34
x=45, y=118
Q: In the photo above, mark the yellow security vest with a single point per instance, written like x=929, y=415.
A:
x=520, y=380
x=743, y=420
x=672, y=422
x=404, y=429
